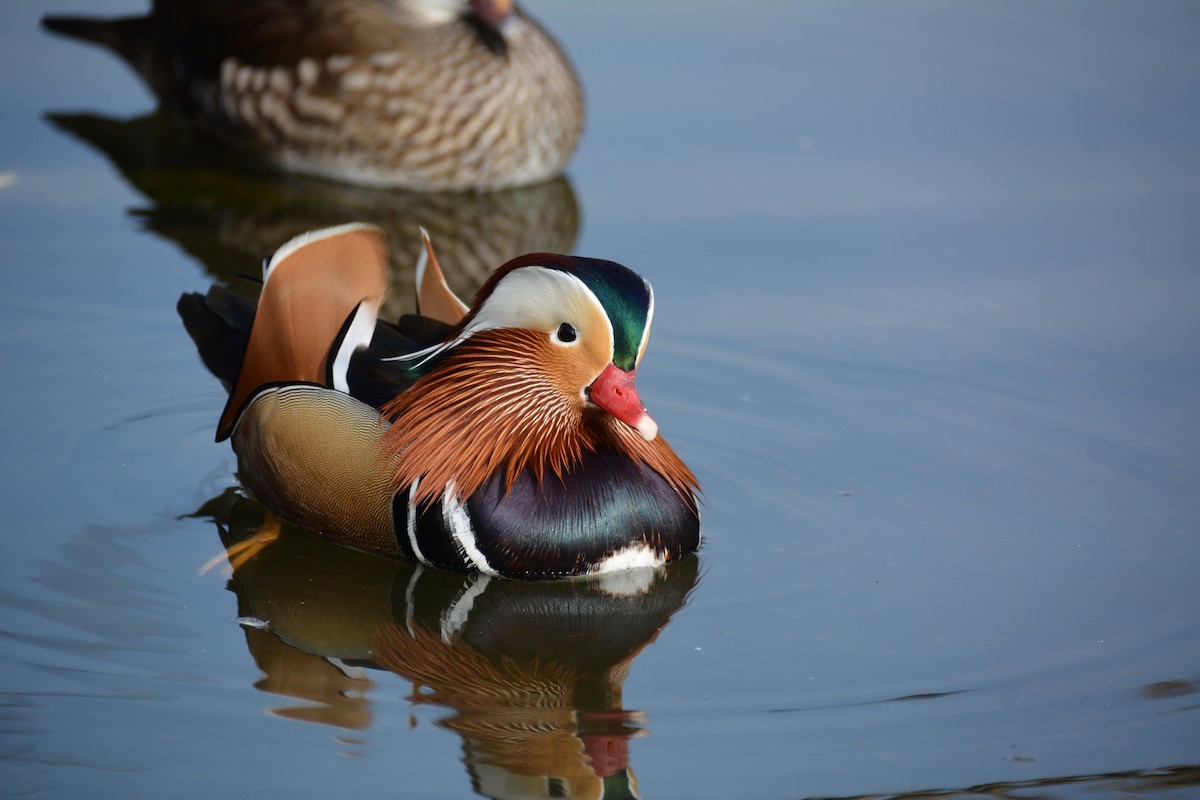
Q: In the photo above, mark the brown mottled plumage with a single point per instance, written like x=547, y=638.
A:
x=414, y=93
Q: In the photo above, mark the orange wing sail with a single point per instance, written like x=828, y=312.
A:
x=320, y=298
x=434, y=297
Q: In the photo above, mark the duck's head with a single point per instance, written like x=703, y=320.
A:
x=595, y=318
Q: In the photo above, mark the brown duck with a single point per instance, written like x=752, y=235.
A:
x=429, y=95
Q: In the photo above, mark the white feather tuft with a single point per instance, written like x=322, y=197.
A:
x=358, y=336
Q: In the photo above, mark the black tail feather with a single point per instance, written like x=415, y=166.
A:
x=219, y=323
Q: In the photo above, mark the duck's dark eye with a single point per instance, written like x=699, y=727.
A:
x=566, y=333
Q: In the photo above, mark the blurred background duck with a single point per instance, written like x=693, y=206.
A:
x=506, y=438
x=429, y=95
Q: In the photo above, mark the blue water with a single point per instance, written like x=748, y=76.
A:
x=927, y=329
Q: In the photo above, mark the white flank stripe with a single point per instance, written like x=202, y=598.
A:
x=412, y=523
x=455, y=516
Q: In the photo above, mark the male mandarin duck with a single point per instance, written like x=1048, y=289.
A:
x=429, y=95
x=506, y=437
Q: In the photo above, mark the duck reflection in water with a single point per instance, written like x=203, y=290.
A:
x=227, y=216
x=533, y=672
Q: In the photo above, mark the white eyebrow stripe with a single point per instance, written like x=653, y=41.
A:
x=532, y=298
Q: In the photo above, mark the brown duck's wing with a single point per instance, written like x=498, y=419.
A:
x=320, y=297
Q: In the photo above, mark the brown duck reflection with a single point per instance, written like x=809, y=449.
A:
x=533, y=672
x=229, y=217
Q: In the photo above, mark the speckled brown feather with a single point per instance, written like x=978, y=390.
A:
x=493, y=404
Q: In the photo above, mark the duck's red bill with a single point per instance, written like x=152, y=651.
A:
x=614, y=391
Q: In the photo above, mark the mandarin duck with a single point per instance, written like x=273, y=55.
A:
x=506, y=437
x=430, y=95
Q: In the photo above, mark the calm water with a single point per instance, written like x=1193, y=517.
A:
x=928, y=330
